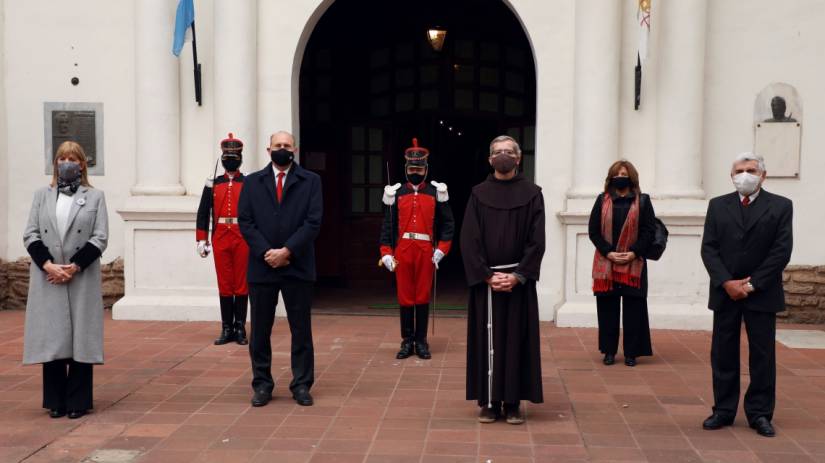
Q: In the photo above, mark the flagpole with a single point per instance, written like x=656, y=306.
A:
x=637, y=101
x=197, y=66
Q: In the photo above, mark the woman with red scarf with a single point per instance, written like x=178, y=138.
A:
x=622, y=228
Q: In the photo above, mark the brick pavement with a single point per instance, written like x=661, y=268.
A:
x=166, y=394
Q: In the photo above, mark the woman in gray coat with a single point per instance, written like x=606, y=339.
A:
x=66, y=233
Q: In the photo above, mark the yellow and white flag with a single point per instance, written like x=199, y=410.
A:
x=643, y=16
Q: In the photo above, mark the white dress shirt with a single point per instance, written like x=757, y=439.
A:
x=752, y=196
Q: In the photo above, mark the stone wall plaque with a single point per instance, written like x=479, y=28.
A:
x=778, y=143
x=78, y=122
x=777, y=126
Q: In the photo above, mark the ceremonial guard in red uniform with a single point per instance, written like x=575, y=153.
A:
x=219, y=207
x=416, y=234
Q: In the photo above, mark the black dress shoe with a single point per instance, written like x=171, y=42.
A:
x=240, y=334
x=609, y=359
x=630, y=361
x=261, y=398
x=406, y=349
x=717, y=421
x=57, y=413
x=422, y=350
x=763, y=427
x=75, y=414
x=302, y=397
x=227, y=335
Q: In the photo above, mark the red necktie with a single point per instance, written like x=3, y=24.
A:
x=280, y=186
x=746, y=200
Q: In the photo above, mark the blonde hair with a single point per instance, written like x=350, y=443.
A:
x=70, y=148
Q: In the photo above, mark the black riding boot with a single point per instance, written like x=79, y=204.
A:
x=422, y=316
x=407, y=328
x=227, y=312
x=240, y=320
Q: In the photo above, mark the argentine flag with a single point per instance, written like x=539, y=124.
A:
x=183, y=22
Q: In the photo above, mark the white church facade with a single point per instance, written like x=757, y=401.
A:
x=710, y=72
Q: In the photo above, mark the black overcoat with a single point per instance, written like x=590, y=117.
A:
x=753, y=241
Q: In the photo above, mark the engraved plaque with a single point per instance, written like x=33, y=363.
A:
x=78, y=122
x=77, y=126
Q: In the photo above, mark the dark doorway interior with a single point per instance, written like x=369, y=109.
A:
x=370, y=82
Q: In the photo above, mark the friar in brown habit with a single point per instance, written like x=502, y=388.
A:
x=502, y=244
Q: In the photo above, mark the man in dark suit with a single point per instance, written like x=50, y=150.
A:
x=279, y=213
x=746, y=245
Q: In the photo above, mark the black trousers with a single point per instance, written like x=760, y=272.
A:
x=298, y=300
x=760, y=397
x=67, y=385
x=633, y=310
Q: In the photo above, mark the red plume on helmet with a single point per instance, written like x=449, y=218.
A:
x=416, y=155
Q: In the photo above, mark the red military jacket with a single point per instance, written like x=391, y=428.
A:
x=219, y=199
x=418, y=212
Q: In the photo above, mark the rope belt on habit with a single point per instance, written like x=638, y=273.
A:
x=416, y=236
x=490, y=336
x=228, y=220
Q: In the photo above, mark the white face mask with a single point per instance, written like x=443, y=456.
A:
x=745, y=183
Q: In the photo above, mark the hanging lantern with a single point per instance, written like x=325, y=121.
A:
x=436, y=36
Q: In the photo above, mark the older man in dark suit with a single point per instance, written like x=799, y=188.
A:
x=746, y=245
x=279, y=213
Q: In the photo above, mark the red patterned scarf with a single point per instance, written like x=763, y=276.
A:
x=606, y=272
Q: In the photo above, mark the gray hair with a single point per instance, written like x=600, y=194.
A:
x=748, y=156
x=502, y=138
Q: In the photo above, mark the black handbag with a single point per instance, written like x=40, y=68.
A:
x=659, y=244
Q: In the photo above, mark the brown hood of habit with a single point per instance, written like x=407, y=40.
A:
x=506, y=194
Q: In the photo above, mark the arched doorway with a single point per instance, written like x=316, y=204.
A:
x=370, y=81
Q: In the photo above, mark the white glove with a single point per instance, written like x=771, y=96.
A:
x=437, y=256
x=389, y=194
x=441, y=191
x=389, y=262
x=204, y=248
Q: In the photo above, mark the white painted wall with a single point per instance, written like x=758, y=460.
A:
x=752, y=44
x=637, y=134
x=44, y=40
x=198, y=148
x=549, y=26
x=4, y=175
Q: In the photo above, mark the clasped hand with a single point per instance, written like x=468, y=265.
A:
x=503, y=282
x=277, y=257
x=59, y=274
x=738, y=289
x=621, y=258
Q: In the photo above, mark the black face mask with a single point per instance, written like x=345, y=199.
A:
x=231, y=164
x=415, y=179
x=282, y=157
x=620, y=183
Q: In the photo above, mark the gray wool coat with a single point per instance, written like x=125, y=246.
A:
x=66, y=320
